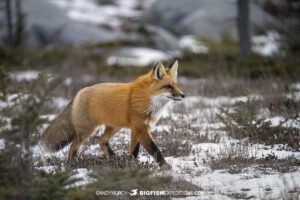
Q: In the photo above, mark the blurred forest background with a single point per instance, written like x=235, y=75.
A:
x=49, y=49
x=243, y=38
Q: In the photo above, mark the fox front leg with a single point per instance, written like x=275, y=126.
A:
x=145, y=138
x=134, y=145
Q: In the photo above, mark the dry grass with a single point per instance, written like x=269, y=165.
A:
x=245, y=122
x=266, y=165
x=177, y=141
x=116, y=162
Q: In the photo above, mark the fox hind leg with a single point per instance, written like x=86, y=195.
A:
x=104, y=140
x=81, y=135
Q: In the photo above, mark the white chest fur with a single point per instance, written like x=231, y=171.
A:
x=158, y=105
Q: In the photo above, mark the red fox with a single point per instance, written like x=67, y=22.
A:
x=137, y=105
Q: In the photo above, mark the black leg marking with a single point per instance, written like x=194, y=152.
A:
x=110, y=151
x=136, y=150
x=155, y=152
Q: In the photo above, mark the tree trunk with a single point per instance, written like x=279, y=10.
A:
x=9, y=22
x=243, y=27
x=19, y=24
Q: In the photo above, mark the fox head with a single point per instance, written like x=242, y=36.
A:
x=164, y=82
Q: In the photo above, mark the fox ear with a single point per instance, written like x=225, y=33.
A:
x=173, y=69
x=158, y=71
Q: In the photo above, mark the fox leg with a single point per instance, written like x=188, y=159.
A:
x=104, y=140
x=145, y=138
x=134, y=145
x=80, y=136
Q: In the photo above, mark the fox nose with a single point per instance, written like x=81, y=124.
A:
x=182, y=95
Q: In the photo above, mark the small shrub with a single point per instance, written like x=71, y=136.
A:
x=232, y=157
x=236, y=165
x=244, y=122
x=117, y=162
x=235, y=158
x=174, y=142
x=18, y=179
x=50, y=186
x=128, y=179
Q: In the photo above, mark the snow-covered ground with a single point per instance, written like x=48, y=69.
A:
x=194, y=116
x=215, y=184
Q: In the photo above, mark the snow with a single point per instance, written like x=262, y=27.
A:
x=6, y=125
x=191, y=44
x=260, y=151
x=60, y=102
x=39, y=152
x=48, y=169
x=295, y=86
x=67, y=81
x=138, y=56
x=198, y=112
x=49, y=117
x=277, y=120
x=82, y=174
x=24, y=75
x=223, y=183
x=101, y=16
x=217, y=101
x=10, y=99
x=89, y=11
x=294, y=95
x=2, y=144
x=218, y=183
x=266, y=45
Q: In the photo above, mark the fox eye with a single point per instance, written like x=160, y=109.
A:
x=168, y=86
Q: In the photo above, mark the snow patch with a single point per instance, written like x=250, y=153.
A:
x=217, y=101
x=83, y=175
x=60, y=102
x=49, y=117
x=68, y=81
x=295, y=86
x=2, y=144
x=294, y=95
x=277, y=120
x=236, y=183
x=266, y=45
x=24, y=75
x=48, y=169
x=138, y=57
x=191, y=44
x=90, y=12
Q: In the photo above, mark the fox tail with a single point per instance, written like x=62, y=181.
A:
x=60, y=132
